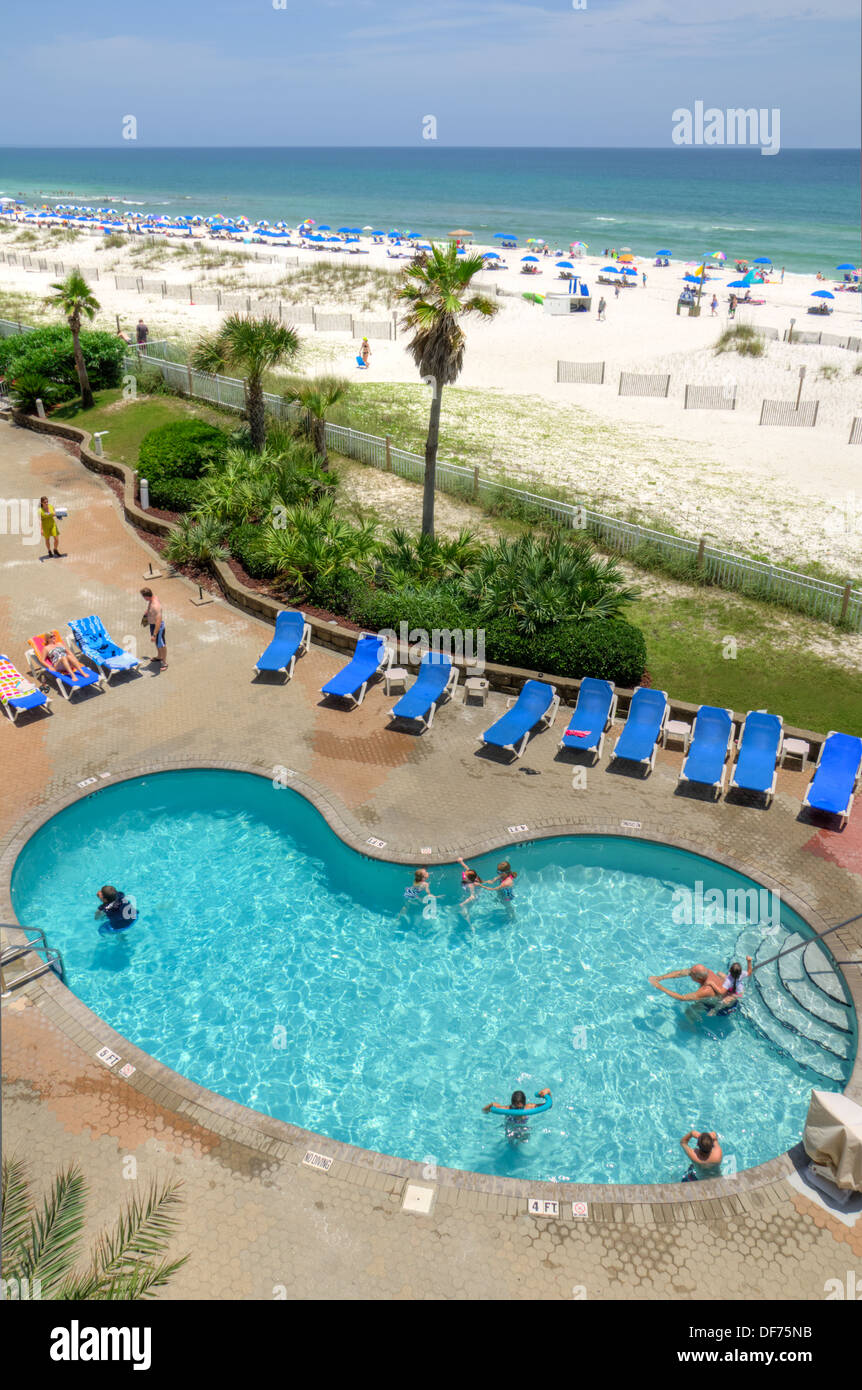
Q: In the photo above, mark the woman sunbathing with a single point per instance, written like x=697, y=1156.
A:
x=61, y=659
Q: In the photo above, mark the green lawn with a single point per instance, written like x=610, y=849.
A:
x=128, y=422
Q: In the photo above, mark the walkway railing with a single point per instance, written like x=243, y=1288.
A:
x=50, y=958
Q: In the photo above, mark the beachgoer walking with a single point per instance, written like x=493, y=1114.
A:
x=732, y=306
x=142, y=333
x=519, y=1102
x=705, y=1157
x=617, y=290
x=48, y=523
x=118, y=910
x=365, y=352
x=782, y=275
x=643, y=275
x=709, y=983
x=714, y=305
x=602, y=307
x=155, y=617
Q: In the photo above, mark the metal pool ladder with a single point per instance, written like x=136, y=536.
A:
x=50, y=958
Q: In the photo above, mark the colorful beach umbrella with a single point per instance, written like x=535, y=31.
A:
x=719, y=256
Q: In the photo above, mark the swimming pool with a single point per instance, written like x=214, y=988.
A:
x=270, y=965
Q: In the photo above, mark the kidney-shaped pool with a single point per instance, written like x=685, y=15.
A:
x=270, y=964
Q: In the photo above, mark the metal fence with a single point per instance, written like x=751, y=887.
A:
x=581, y=373
x=819, y=597
x=788, y=413
x=710, y=398
x=633, y=384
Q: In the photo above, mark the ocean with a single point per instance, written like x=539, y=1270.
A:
x=800, y=207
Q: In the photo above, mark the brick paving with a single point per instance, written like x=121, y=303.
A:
x=256, y=1218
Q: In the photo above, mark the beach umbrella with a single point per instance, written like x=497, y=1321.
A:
x=565, y=265
x=505, y=236
x=609, y=270
x=375, y=231
x=424, y=246
x=460, y=231
x=371, y=230
x=584, y=246
x=845, y=266
x=822, y=294
x=629, y=270
x=735, y=284
x=719, y=256
x=490, y=255
x=761, y=260
x=342, y=230
x=529, y=258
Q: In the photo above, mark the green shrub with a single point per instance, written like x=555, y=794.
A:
x=150, y=381
x=181, y=449
x=245, y=546
x=174, y=494
x=29, y=386
x=196, y=542
x=49, y=351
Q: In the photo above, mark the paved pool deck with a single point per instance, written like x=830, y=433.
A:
x=257, y=1219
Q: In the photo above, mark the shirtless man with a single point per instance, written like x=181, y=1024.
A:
x=709, y=984
x=705, y=1156
x=155, y=616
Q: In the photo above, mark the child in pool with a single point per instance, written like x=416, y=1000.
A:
x=507, y=876
x=470, y=881
x=418, y=892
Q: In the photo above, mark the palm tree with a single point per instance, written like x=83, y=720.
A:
x=43, y=1245
x=250, y=347
x=75, y=298
x=317, y=397
x=436, y=290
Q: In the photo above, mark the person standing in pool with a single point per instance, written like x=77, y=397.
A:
x=733, y=987
x=470, y=881
x=705, y=1157
x=118, y=911
x=419, y=892
x=519, y=1102
x=506, y=875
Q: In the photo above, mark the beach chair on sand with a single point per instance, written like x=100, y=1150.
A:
x=535, y=707
x=757, y=757
x=95, y=645
x=67, y=685
x=436, y=681
x=836, y=777
x=371, y=658
x=17, y=693
x=292, y=635
x=643, y=728
x=592, y=717
x=711, y=739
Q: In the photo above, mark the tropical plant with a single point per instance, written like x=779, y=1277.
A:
x=197, y=541
x=317, y=397
x=406, y=559
x=42, y=1245
x=75, y=300
x=250, y=347
x=50, y=350
x=540, y=581
x=31, y=386
x=312, y=543
x=437, y=294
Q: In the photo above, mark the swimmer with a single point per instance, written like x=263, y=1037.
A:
x=709, y=984
x=507, y=876
x=733, y=987
x=705, y=1156
x=519, y=1102
x=470, y=881
x=418, y=892
x=118, y=910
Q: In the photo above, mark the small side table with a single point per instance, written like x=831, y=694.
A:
x=476, y=688
x=396, y=675
x=795, y=748
x=677, y=728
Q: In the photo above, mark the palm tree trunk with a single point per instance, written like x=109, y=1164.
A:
x=87, y=401
x=431, y=444
x=320, y=441
x=256, y=414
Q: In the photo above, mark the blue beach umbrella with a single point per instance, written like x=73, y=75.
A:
x=845, y=266
x=529, y=258
x=762, y=260
x=324, y=228
x=505, y=236
x=565, y=265
x=609, y=270
x=734, y=284
x=664, y=252
x=822, y=294
x=342, y=230
x=376, y=232
x=490, y=255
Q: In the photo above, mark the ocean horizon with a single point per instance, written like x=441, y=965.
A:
x=800, y=208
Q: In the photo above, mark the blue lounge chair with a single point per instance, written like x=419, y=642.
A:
x=67, y=685
x=643, y=728
x=711, y=738
x=95, y=645
x=836, y=776
x=437, y=679
x=593, y=716
x=537, y=704
x=17, y=694
x=371, y=658
x=292, y=635
x=757, y=757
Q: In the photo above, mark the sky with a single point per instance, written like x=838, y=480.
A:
x=359, y=72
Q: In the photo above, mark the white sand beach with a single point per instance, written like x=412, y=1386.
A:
x=788, y=494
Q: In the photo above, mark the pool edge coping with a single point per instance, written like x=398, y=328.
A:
x=281, y=1140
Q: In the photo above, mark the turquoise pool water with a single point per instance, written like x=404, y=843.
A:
x=270, y=964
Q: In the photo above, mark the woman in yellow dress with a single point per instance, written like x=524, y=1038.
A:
x=49, y=526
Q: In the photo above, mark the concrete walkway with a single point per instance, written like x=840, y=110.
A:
x=256, y=1218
